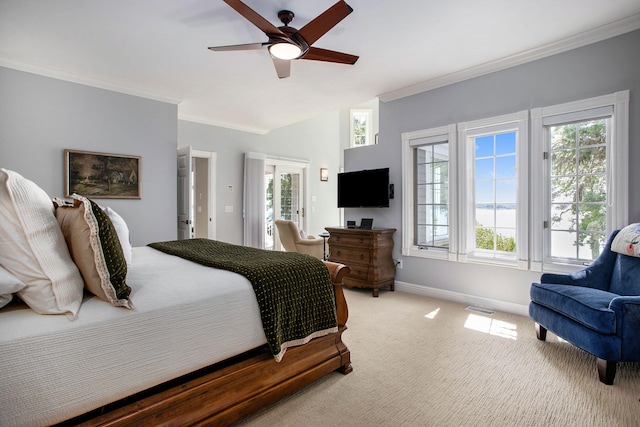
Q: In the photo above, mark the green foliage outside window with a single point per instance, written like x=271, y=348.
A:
x=487, y=239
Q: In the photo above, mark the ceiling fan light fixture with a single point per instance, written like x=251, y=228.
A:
x=285, y=50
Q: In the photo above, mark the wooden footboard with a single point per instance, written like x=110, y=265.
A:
x=229, y=391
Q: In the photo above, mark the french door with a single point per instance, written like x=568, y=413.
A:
x=284, y=193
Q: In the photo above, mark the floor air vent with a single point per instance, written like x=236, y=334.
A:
x=480, y=310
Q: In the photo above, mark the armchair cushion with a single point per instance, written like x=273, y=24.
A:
x=587, y=306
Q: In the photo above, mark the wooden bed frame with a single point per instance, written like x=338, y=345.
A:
x=231, y=390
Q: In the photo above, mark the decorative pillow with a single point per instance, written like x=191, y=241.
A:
x=9, y=285
x=627, y=241
x=303, y=235
x=33, y=249
x=96, y=250
x=123, y=232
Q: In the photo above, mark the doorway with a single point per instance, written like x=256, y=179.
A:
x=196, y=193
x=285, y=197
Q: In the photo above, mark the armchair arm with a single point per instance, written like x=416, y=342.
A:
x=310, y=242
x=625, y=304
x=627, y=309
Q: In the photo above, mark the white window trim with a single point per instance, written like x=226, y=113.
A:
x=518, y=122
x=439, y=134
x=617, y=179
x=352, y=138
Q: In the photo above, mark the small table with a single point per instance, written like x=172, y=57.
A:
x=324, y=236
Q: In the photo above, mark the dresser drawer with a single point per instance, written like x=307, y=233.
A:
x=350, y=240
x=359, y=272
x=350, y=255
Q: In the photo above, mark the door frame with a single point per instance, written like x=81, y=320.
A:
x=185, y=156
x=285, y=165
x=213, y=159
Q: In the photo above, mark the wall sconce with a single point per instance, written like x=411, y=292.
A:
x=324, y=174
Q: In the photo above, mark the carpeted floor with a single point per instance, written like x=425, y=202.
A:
x=419, y=361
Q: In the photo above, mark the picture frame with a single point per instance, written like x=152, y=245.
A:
x=101, y=175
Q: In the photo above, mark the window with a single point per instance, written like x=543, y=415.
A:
x=493, y=187
x=361, y=127
x=429, y=206
x=583, y=196
x=432, y=195
x=467, y=188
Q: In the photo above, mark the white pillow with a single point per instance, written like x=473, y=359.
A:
x=33, y=249
x=122, y=231
x=627, y=241
x=9, y=285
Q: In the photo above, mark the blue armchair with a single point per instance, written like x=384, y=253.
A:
x=596, y=309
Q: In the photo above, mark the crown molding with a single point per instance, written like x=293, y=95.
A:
x=56, y=73
x=603, y=32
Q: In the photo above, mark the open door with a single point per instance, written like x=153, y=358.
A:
x=185, y=219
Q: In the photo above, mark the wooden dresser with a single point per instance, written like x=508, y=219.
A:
x=367, y=253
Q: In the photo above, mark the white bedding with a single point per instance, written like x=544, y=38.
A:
x=186, y=317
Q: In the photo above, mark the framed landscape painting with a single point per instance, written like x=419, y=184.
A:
x=101, y=175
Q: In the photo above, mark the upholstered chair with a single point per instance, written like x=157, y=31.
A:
x=597, y=308
x=292, y=241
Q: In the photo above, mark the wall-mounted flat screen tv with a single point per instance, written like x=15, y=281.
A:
x=364, y=189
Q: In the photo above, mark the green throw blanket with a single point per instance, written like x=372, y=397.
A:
x=294, y=291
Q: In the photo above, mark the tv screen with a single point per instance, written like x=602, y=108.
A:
x=364, y=189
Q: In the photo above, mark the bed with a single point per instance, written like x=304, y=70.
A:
x=181, y=343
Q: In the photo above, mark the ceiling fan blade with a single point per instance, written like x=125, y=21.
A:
x=248, y=46
x=283, y=67
x=253, y=17
x=317, y=54
x=324, y=22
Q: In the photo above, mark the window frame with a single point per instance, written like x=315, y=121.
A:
x=467, y=132
x=430, y=136
x=368, y=126
x=617, y=176
x=533, y=176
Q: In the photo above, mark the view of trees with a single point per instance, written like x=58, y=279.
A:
x=578, y=183
x=486, y=238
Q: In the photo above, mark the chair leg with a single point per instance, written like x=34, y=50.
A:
x=541, y=332
x=606, y=371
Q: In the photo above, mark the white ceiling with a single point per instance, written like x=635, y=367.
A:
x=158, y=49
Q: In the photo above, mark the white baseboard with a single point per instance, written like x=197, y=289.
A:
x=493, y=304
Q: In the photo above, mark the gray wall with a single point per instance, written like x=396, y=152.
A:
x=598, y=69
x=317, y=140
x=41, y=116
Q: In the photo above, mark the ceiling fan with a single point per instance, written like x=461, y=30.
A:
x=287, y=43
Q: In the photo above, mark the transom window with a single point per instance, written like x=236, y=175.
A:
x=360, y=126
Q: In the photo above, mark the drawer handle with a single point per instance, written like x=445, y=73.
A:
x=361, y=256
x=338, y=253
x=361, y=240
